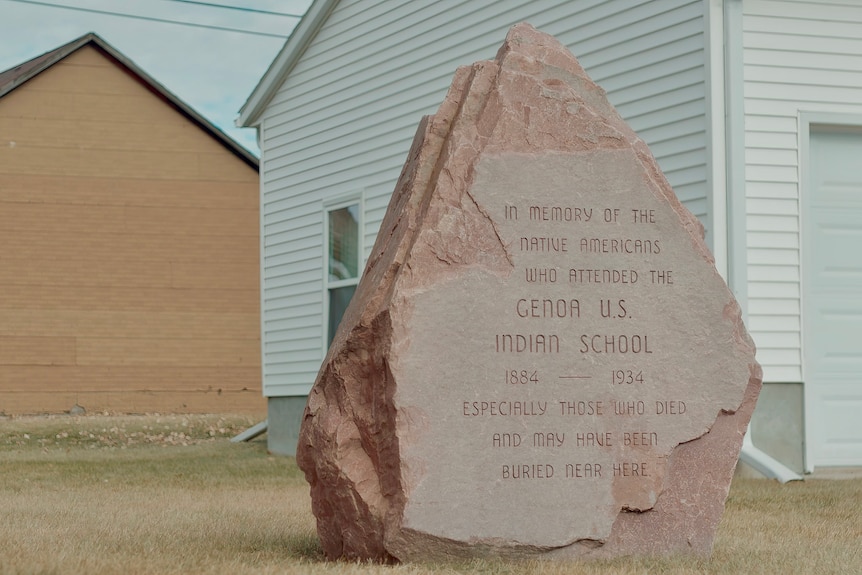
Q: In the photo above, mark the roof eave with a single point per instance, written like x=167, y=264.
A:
x=56, y=55
x=244, y=154
x=284, y=62
x=172, y=99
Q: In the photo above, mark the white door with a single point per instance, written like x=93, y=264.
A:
x=832, y=298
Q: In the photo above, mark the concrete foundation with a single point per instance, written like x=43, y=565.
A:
x=777, y=426
x=284, y=416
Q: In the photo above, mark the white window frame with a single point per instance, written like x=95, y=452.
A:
x=344, y=201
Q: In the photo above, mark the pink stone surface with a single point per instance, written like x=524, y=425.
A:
x=540, y=359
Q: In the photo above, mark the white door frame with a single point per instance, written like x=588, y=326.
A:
x=807, y=121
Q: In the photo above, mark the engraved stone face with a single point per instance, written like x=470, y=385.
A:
x=541, y=359
x=586, y=366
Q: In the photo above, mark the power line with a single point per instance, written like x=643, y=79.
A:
x=149, y=18
x=239, y=8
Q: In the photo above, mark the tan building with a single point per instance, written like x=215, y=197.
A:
x=129, y=244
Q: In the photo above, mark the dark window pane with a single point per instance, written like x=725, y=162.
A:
x=344, y=243
x=338, y=300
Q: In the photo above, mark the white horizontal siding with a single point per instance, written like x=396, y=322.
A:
x=345, y=117
x=774, y=289
x=798, y=56
x=774, y=256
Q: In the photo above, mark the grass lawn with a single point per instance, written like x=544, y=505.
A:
x=171, y=495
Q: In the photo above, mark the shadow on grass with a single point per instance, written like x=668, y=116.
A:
x=305, y=546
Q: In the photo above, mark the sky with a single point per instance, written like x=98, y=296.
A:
x=214, y=71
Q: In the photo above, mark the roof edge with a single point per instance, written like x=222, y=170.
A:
x=186, y=110
x=284, y=62
x=54, y=56
x=38, y=64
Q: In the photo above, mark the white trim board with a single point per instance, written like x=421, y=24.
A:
x=806, y=121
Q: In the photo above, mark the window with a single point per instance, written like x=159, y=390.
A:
x=343, y=261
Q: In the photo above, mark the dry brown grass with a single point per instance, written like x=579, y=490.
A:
x=170, y=495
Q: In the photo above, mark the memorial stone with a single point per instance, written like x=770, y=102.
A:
x=541, y=359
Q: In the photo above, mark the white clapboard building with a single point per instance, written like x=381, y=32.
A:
x=752, y=107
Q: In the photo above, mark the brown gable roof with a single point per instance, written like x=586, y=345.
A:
x=20, y=74
x=14, y=77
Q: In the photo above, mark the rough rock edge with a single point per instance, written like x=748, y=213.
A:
x=359, y=353
x=343, y=528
